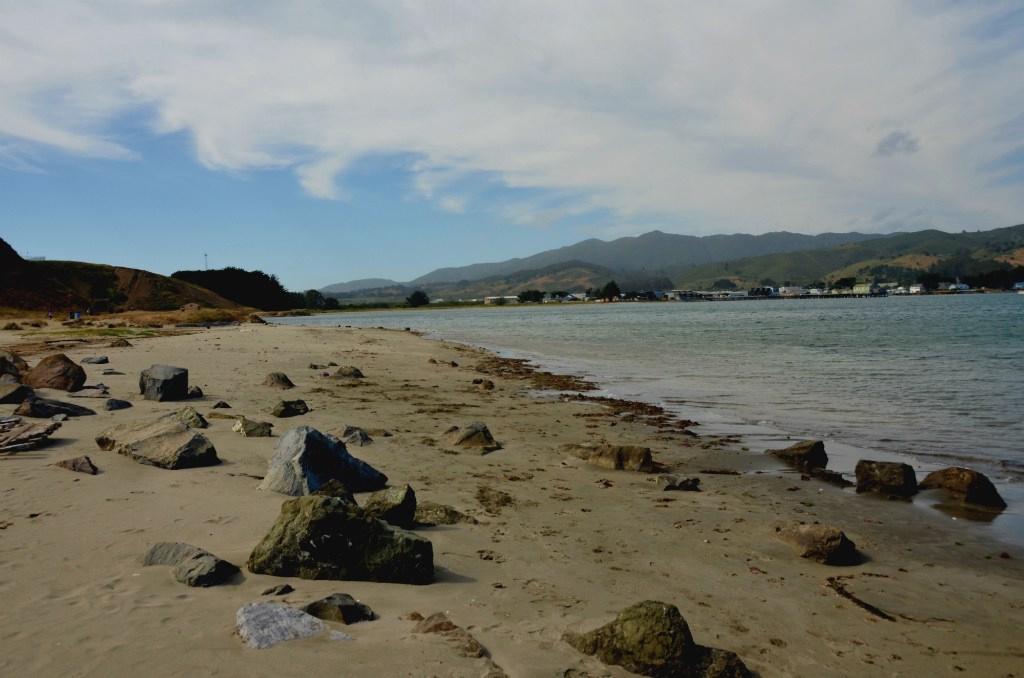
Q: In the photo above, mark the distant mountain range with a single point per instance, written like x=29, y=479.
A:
x=69, y=285
x=659, y=260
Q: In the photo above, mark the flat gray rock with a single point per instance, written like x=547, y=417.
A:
x=263, y=625
x=44, y=408
x=166, y=443
x=192, y=565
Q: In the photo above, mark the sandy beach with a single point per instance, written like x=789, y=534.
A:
x=577, y=544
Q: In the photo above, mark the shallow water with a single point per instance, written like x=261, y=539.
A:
x=938, y=380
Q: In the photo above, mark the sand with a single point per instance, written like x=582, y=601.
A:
x=579, y=544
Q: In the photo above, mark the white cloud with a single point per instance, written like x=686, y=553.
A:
x=744, y=116
x=452, y=203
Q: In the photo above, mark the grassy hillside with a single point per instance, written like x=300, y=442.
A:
x=903, y=257
x=73, y=285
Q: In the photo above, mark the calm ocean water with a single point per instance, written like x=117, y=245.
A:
x=935, y=380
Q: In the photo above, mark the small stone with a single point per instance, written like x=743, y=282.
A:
x=340, y=607
x=290, y=408
x=395, y=505
x=616, y=457
x=278, y=380
x=192, y=565
x=44, y=408
x=672, y=482
x=115, y=404
x=221, y=405
x=110, y=372
x=822, y=543
x=81, y=464
x=279, y=590
x=193, y=393
x=348, y=372
x=263, y=625
x=430, y=513
x=353, y=435
x=253, y=429
x=120, y=343
x=189, y=417
x=96, y=360
x=475, y=435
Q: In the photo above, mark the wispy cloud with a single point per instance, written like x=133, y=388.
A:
x=740, y=117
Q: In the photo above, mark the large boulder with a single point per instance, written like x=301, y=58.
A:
x=14, y=394
x=807, y=455
x=652, y=638
x=12, y=364
x=475, y=435
x=822, y=543
x=890, y=478
x=305, y=459
x=395, y=505
x=192, y=565
x=262, y=625
x=340, y=607
x=964, y=485
x=328, y=538
x=164, y=382
x=44, y=408
x=55, y=371
x=165, y=443
x=290, y=408
x=278, y=380
x=616, y=457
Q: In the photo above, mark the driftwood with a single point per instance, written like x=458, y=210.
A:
x=16, y=436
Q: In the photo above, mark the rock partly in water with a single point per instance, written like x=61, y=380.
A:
x=353, y=435
x=348, y=372
x=96, y=360
x=340, y=607
x=81, y=464
x=430, y=513
x=189, y=417
x=305, y=459
x=822, y=543
x=964, y=485
x=263, y=625
x=328, y=538
x=616, y=457
x=278, y=380
x=250, y=428
x=290, y=408
x=890, y=478
x=13, y=365
x=115, y=404
x=166, y=443
x=164, y=382
x=57, y=372
x=15, y=394
x=44, y=408
x=395, y=505
x=671, y=482
x=476, y=435
x=806, y=455
x=192, y=565
x=652, y=639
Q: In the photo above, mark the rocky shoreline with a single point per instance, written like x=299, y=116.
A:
x=536, y=534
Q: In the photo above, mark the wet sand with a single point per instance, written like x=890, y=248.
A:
x=579, y=543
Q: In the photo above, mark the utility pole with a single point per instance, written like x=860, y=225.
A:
x=206, y=262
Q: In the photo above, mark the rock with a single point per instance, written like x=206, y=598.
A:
x=96, y=360
x=484, y=384
x=55, y=371
x=429, y=513
x=279, y=590
x=12, y=327
x=44, y=408
x=166, y=443
x=822, y=543
x=475, y=435
x=806, y=455
x=493, y=500
x=253, y=429
x=18, y=437
x=192, y=565
x=111, y=372
x=317, y=366
x=97, y=391
x=334, y=488
x=616, y=457
x=353, y=435
x=348, y=372
x=395, y=505
x=262, y=625
x=464, y=643
x=164, y=382
x=189, y=417
x=290, y=408
x=12, y=364
x=670, y=482
x=15, y=394
x=652, y=638
x=886, y=477
x=305, y=459
x=278, y=380
x=60, y=416
x=120, y=343
x=965, y=485
x=221, y=405
x=257, y=320
x=340, y=607
x=81, y=464
x=193, y=393
x=115, y=404
x=7, y=379
x=328, y=538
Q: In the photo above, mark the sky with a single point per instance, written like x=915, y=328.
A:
x=328, y=141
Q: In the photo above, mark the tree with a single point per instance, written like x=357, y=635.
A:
x=535, y=296
x=313, y=299
x=610, y=291
x=417, y=298
x=331, y=302
x=843, y=283
x=723, y=284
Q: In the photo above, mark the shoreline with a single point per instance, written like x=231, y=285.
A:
x=577, y=543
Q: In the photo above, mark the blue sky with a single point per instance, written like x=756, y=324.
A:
x=334, y=141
